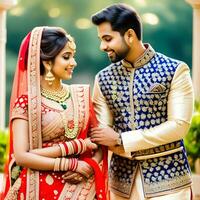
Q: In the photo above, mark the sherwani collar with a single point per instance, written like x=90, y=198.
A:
x=142, y=60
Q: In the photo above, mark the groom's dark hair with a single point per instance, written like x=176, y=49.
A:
x=121, y=17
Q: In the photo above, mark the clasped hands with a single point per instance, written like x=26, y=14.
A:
x=98, y=136
x=84, y=170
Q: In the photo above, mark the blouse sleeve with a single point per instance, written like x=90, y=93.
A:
x=20, y=109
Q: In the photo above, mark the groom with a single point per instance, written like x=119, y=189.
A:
x=144, y=103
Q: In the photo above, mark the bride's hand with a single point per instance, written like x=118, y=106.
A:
x=73, y=177
x=90, y=145
x=84, y=168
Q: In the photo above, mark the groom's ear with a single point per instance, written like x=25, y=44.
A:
x=130, y=36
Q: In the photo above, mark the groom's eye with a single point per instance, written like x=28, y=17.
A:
x=108, y=39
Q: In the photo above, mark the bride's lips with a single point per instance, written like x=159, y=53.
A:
x=69, y=70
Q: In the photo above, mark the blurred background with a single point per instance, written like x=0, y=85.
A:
x=167, y=27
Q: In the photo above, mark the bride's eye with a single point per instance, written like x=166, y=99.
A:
x=66, y=56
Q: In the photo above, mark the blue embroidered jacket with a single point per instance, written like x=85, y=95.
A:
x=160, y=174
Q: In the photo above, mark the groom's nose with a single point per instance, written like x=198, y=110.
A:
x=103, y=46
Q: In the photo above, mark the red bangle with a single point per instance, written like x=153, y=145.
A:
x=66, y=148
x=76, y=150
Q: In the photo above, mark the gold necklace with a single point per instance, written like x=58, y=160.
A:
x=71, y=126
x=57, y=96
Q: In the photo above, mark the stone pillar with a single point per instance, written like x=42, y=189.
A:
x=196, y=47
x=4, y=6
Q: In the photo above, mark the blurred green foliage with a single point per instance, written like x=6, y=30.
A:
x=3, y=143
x=172, y=35
x=192, y=139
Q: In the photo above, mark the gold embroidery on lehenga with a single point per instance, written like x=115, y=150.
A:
x=55, y=192
x=13, y=191
x=49, y=180
x=82, y=191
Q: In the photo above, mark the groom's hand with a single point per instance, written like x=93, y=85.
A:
x=104, y=136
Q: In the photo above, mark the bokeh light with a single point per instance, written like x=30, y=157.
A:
x=150, y=18
x=83, y=23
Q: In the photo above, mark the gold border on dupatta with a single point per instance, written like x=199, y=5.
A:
x=80, y=95
x=87, y=104
x=34, y=108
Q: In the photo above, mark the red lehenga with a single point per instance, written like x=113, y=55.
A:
x=48, y=122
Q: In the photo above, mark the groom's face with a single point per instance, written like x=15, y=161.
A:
x=112, y=42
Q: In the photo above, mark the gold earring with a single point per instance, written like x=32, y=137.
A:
x=49, y=77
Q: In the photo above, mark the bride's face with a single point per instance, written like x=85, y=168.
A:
x=64, y=63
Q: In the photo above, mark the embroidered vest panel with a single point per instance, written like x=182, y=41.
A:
x=148, y=94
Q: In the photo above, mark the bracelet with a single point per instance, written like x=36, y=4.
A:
x=119, y=140
x=65, y=164
x=77, y=146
